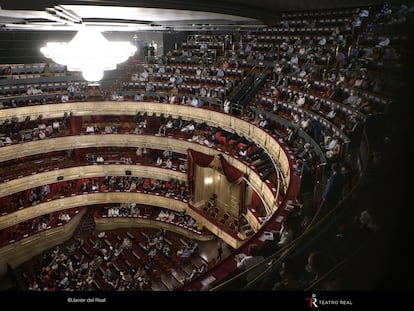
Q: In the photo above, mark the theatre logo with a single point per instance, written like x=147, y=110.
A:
x=314, y=302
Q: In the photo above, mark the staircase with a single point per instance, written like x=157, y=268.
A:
x=246, y=90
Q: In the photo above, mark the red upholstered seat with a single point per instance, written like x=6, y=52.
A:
x=221, y=138
x=241, y=145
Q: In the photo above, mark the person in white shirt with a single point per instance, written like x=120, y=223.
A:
x=243, y=152
x=172, y=80
x=294, y=59
x=296, y=118
x=262, y=122
x=42, y=134
x=90, y=129
x=144, y=76
x=384, y=42
x=331, y=114
x=108, y=129
x=188, y=128
x=55, y=126
x=172, y=98
x=194, y=102
x=159, y=161
x=226, y=106
x=8, y=140
x=64, y=98
x=250, y=260
x=301, y=100
x=94, y=187
x=64, y=217
x=351, y=99
x=171, y=217
x=333, y=147
x=304, y=123
x=168, y=163
x=162, y=215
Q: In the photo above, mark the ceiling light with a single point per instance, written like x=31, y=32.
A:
x=89, y=52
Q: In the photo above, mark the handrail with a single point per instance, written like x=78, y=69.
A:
x=314, y=225
x=338, y=267
x=315, y=116
x=302, y=133
x=291, y=245
x=258, y=81
x=283, y=252
x=245, y=85
x=241, y=83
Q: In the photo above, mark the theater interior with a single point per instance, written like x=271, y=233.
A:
x=205, y=146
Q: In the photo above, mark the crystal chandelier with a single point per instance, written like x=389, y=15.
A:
x=89, y=52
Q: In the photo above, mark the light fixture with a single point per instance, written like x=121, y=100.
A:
x=89, y=52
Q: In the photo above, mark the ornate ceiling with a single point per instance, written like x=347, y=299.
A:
x=157, y=15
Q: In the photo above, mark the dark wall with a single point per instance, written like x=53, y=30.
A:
x=19, y=47
x=171, y=38
x=264, y=10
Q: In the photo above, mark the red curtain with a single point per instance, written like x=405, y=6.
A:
x=190, y=174
x=199, y=158
x=75, y=124
x=232, y=174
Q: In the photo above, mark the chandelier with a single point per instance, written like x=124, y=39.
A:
x=89, y=52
